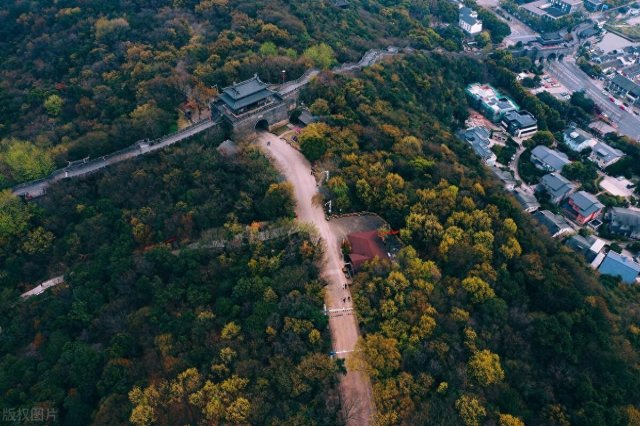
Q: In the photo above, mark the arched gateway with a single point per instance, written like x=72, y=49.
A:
x=250, y=105
x=262, y=124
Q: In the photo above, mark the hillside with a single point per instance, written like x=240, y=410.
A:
x=85, y=79
x=193, y=295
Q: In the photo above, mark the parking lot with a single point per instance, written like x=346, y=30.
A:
x=618, y=186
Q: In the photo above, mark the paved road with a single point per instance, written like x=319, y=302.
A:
x=355, y=387
x=38, y=188
x=513, y=165
x=369, y=58
x=574, y=79
x=39, y=289
x=291, y=86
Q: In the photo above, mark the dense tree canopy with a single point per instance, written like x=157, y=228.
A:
x=482, y=318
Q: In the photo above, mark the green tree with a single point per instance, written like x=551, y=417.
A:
x=378, y=355
x=278, y=201
x=470, y=410
x=509, y=420
x=108, y=30
x=37, y=241
x=313, y=141
x=321, y=55
x=53, y=104
x=484, y=366
x=25, y=160
x=14, y=215
x=268, y=48
x=478, y=289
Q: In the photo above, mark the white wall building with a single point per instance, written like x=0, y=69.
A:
x=469, y=22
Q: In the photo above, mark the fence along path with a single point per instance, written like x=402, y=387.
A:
x=84, y=167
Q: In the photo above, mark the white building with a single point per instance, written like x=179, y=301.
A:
x=577, y=139
x=604, y=155
x=469, y=22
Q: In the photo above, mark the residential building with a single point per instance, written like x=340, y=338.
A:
x=365, y=246
x=529, y=202
x=589, y=247
x=624, y=221
x=567, y=6
x=585, y=206
x=478, y=138
x=548, y=159
x=489, y=101
x=468, y=21
x=621, y=266
x=577, y=139
x=632, y=71
x=551, y=9
x=506, y=177
x=624, y=88
x=520, y=124
x=555, y=224
x=342, y=4
x=604, y=155
x=557, y=186
x=593, y=5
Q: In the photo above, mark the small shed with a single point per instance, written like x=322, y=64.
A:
x=306, y=117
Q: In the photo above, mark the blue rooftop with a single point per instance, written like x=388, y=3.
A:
x=621, y=266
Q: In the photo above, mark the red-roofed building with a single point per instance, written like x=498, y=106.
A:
x=365, y=246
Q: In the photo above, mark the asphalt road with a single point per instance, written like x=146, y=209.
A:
x=355, y=386
x=574, y=79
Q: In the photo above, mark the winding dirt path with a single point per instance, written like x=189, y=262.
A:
x=355, y=387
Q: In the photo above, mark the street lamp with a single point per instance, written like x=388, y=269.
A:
x=284, y=73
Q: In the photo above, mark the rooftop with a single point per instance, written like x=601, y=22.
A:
x=557, y=185
x=536, y=7
x=606, y=153
x=505, y=176
x=521, y=118
x=245, y=93
x=626, y=84
x=625, y=216
x=585, y=203
x=491, y=96
x=572, y=2
x=575, y=137
x=618, y=265
x=528, y=201
x=554, y=223
x=554, y=159
x=365, y=246
x=591, y=243
x=469, y=16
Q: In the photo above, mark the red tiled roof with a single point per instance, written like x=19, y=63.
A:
x=364, y=247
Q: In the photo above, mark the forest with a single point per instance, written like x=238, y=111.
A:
x=148, y=331
x=85, y=79
x=481, y=318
